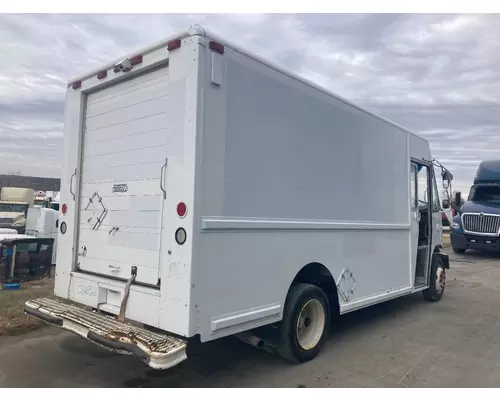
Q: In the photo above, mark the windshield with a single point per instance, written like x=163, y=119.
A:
x=486, y=194
x=18, y=208
x=42, y=203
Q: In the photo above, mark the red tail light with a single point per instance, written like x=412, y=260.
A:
x=64, y=209
x=217, y=47
x=181, y=209
x=174, y=44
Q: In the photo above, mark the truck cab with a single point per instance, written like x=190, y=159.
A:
x=13, y=215
x=477, y=224
x=14, y=204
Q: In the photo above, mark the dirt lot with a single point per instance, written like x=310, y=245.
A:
x=403, y=343
x=13, y=321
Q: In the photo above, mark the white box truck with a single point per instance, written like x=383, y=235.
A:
x=207, y=192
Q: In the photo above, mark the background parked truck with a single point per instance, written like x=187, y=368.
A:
x=14, y=204
x=477, y=224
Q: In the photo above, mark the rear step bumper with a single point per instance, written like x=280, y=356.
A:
x=159, y=351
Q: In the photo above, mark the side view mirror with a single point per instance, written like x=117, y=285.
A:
x=458, y=201
x=446, y=204
x=447, y=177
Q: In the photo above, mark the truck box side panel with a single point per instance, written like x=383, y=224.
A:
x=305, y=178
x=314, y=158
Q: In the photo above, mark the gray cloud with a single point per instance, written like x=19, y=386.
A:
x=436, y=74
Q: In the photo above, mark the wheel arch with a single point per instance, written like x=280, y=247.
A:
x=318, y=274
x=438, y=252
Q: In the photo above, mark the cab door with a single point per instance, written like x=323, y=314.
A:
x=437, y=219
x=414, y=218
x=421, y=221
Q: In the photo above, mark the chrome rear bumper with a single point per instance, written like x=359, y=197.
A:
x=158, y=350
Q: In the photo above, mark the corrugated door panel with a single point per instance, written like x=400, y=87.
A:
x=142, y=187
x=121, y=270
x=129, y=218
x=133, y=157
x=137, y=203
x=126, y=140
x=128, y=87
x=120, y=254
x=137, y=94
x=128, y=238
x=133, y=172
x=125, y=115
x=145, y=140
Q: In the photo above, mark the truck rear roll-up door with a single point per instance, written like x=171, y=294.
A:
x=126, y=140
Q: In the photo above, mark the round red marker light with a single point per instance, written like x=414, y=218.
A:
x=64, y=209
x=181, y=209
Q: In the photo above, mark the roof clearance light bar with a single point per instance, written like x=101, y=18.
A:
x=120, y=67
x=172, y=45
x=127, y=64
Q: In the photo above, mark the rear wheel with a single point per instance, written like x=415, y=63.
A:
x=437, y=281
x=305, y=324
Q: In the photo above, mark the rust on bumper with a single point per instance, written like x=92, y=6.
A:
x=158, y=350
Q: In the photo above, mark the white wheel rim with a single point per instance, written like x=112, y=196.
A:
x=440, y=279
x=311, y=324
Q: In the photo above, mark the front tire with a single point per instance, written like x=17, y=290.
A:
x=437, y=280
x=305, y=324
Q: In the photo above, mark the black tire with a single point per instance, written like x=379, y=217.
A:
x=434, y=293
x=288, y=345
x=458, y=251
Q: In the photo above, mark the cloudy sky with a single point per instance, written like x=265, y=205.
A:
x=438, y=75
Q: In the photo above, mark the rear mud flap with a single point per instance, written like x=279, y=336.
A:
x=158, y=350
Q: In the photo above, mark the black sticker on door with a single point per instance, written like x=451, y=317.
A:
x=120, y=188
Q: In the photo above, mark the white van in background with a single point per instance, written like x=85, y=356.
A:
x=43, y=223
